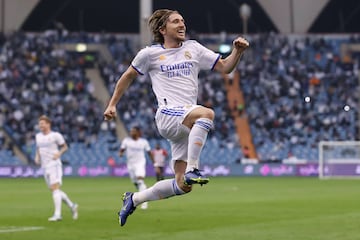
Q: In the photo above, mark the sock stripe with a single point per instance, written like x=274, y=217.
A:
x=204, y=124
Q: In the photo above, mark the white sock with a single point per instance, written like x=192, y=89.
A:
x=160, y=190
x=197, y=138
x=141, y=185
x=66, y=199
x=57, y=202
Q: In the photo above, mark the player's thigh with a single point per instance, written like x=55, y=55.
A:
x=196, y=113
x=53, y=176
x=169, y=121
x=138, y=170
x=131, y=171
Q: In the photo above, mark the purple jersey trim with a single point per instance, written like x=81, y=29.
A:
x=138, y=71
x=217, y=59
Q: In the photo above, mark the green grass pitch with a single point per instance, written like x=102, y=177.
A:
x=226, y=208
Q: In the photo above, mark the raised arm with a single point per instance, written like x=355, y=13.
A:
x=122, y=84
x=228, y=64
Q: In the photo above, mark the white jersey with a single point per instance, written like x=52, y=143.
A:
x=135, y=149
x=174, y=71
x=48, y=146
x=159, y=156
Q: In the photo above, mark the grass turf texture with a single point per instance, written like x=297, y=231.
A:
x=226, y=208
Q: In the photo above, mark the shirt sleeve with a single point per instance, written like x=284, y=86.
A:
x=147, y=146
x=59, y=139
x=141, y=61
x=207, y=57
x=123, y=144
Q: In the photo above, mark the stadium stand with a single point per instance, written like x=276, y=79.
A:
x=276, y=76
x=284, y=72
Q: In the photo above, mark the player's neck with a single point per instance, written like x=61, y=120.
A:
x=172, y=44
x=46, y=132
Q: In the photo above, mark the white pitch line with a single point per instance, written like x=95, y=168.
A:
x=19, y=229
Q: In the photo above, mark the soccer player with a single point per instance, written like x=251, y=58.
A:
x=159, y=155
x=50, y=145
x=173, y=65
x=135, y=148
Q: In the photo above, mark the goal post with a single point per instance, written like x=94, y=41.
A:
x=339, y=159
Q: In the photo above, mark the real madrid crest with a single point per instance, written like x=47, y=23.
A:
x=187, y=55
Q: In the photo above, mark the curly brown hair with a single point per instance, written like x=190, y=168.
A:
x=158, y=21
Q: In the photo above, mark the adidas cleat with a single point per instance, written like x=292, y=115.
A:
x=127, y=209
x=195, y=177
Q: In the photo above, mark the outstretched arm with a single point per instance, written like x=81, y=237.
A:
x=121, y=85
x=228, y=64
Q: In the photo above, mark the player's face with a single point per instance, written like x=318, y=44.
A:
x=175, y=28
x=44, y=126
x=134, y=133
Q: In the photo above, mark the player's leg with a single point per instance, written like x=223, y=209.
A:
x=56, y=195
x=161, y=173
x=132, y=175
x=169, y=123
x=160, y=190
x=165, y=188
x=140, y=173
x=158, y=173
x=73, y=206
x=55, y=182
x=200, y=121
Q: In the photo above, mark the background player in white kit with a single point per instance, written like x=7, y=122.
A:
x=135, y=148
x=159, y=155
x=173, y=66
x=50, y=145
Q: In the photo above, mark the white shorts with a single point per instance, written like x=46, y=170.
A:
x=53, y=175
x=169, y=123
x=136, y=170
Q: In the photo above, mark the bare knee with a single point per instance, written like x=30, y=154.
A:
x=208, y=113
x=201, y=112
x=54, y=187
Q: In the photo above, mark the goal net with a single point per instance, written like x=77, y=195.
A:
x=339, y=159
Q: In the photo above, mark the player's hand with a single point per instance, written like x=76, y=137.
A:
x=110, y=113
x=56, y=156
x=240, y=44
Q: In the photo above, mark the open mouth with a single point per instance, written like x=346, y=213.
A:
x=181, y=32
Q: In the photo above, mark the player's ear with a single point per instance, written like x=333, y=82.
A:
x=162, y=30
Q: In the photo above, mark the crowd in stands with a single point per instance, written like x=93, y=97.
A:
x=37, y=78
x=295, y=88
